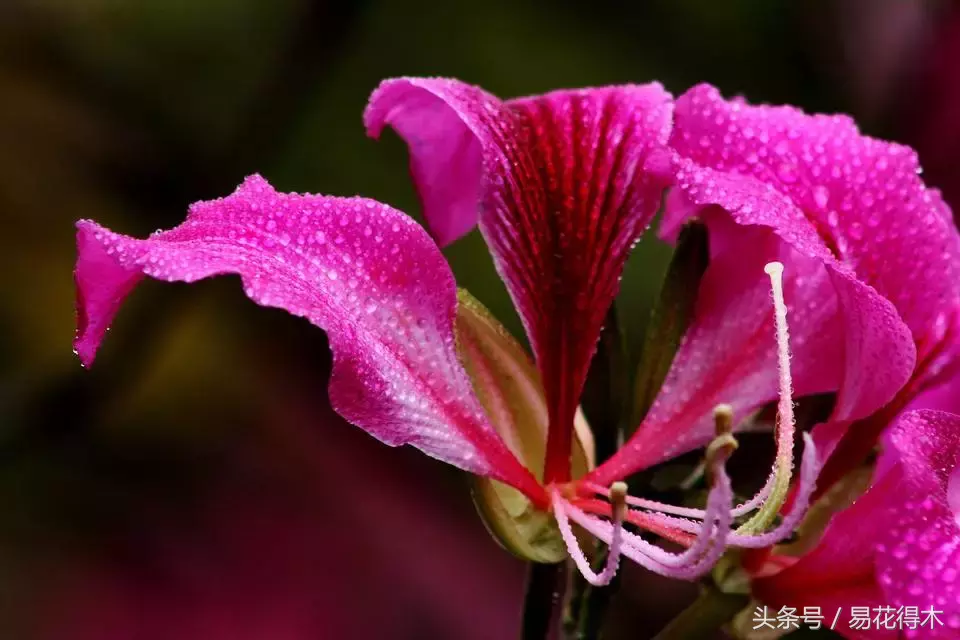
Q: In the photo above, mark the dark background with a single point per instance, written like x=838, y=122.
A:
x=195, y=483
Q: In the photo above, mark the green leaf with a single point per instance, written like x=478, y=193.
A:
x=670, y=317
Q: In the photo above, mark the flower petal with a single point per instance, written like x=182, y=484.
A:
x=709, y=172
x=918, y=558
x=863, y=196
x=839, y=572
x=729, y=353
x=899, y=543
x=363, y=272
x=561, y=194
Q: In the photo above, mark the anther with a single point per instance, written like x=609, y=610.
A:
x=618, y=500
x=724, y=444
x=723, y=419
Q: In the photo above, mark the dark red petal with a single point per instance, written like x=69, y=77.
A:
x=363, y=272
x=562, y=196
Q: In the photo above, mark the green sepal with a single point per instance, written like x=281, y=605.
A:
x=509, y=388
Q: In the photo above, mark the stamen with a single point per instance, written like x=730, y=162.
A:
x=705, y=549
x=723, y=419
x=713, y=534
x=724, y=443
x=723, y=426
x=618, y=494
x=618, y=498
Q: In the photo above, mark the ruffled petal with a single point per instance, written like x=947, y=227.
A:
x=863, y=196
x=363, y=272
x=560, y=193
x=875, y=338
x=707, y=173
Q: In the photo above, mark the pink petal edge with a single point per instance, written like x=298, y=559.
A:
x=365, y=273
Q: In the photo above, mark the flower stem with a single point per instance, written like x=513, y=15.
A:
x=710, y=611
x=542, y=602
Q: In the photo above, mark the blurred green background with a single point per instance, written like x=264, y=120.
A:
x=195, y=483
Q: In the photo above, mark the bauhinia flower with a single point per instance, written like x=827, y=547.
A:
x=561, y=186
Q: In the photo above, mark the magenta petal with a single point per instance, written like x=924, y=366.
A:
x=728, y=355
x=899, y=543
x=875, y=339
x=839, y=572
x=446, y=144
x=363, y=272
x=863, y=196
x=561, y=195
x=918, y=560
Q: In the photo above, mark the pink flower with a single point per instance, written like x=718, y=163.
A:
x=561, y=186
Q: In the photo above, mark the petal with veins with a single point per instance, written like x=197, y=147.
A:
x=363, y=272
x=558, y=186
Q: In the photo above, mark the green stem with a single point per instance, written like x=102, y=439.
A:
x=541, y=604
x=710, y=611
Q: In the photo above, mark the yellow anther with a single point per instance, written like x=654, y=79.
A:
x=618, y=500
x=723, y=419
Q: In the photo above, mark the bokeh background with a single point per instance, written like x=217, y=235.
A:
x=195, y=483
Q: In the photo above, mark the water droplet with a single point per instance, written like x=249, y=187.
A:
x=787, y=172
x=821, y=196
